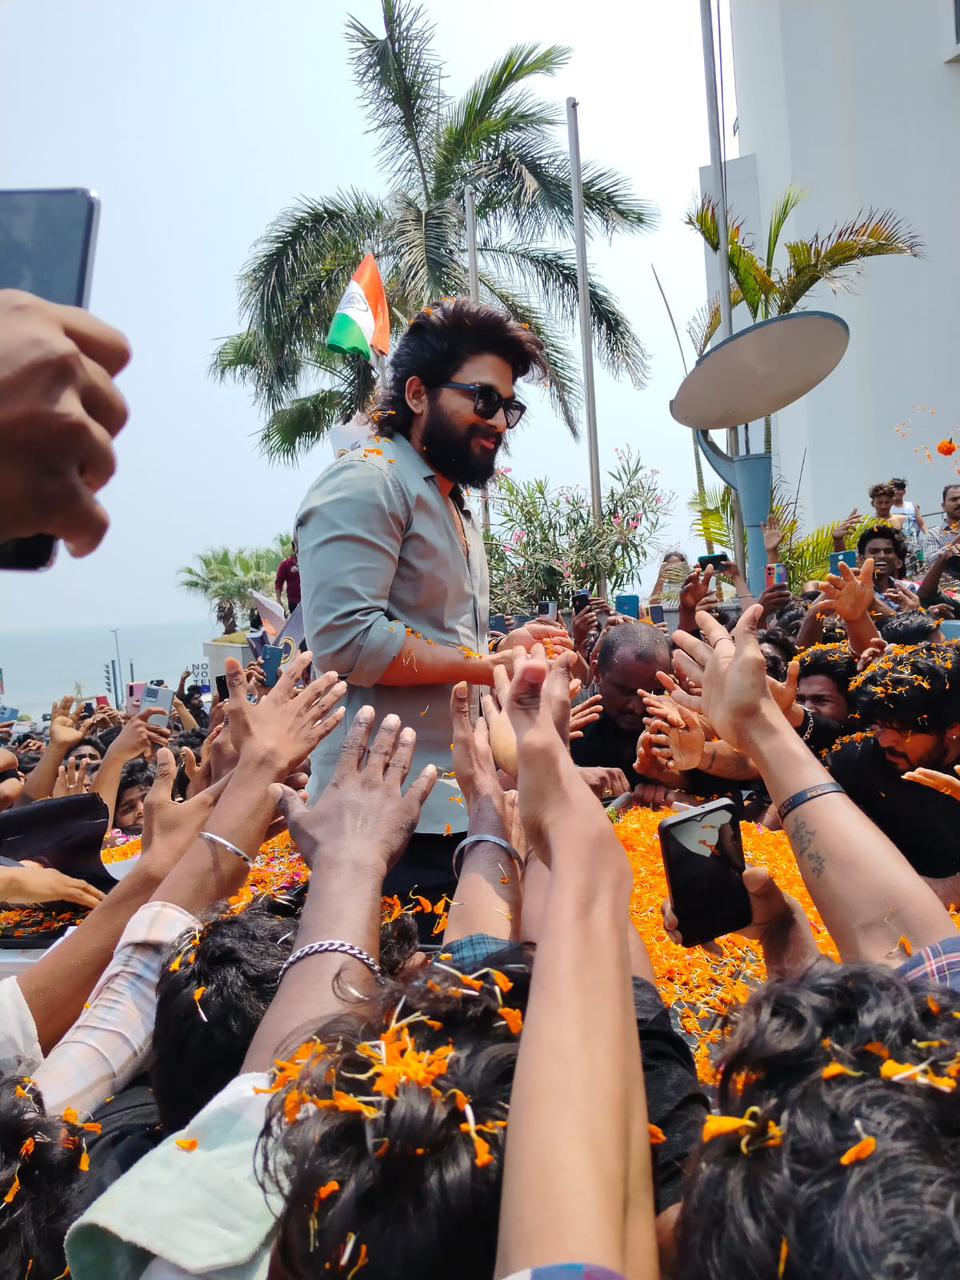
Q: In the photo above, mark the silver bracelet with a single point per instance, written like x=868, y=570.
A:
x=211, y=838
x=480, y=839
x=334, y=945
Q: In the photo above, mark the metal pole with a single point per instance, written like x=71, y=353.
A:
x=116, y=683
x=473, y=278
x=586, y=337
x=116, y=641
x=723, y=235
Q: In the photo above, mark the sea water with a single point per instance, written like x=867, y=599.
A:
x=41, y=666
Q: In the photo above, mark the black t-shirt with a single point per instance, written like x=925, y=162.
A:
x=606, y=746
x=923, y=824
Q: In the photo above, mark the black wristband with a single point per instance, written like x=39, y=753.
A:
x=810, y=793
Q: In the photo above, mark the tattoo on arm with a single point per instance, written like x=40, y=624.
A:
x=802, y=839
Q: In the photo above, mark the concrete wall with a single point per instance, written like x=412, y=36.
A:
x=859, y=102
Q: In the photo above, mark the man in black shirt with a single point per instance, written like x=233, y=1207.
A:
x=625, y=663
x=909, y=699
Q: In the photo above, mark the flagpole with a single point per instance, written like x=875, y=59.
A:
x=473, y=278
x=586, y=337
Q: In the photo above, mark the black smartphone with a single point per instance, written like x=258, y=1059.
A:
x=223, y=693
x=718, y=560
x=703, y=858
x=47, y=242
x=656, y=614
x=580, y=601
x=498, y=622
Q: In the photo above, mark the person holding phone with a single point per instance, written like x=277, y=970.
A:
x=59, y=414
x=392, y=563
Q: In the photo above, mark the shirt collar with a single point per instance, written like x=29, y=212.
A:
x=428, y=473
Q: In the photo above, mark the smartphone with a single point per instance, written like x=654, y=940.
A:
x=547, y=609
x=87, y=710
x=718, y=560
x=776, y=575
x=223, y=693
x=134, y=697
x=837, y=558
x=703, y=859
x=47, y=242
x=270, y=658
x=581, y=599
x=498, y=622
x=102, y=700
x=628, y=605
x=7, y=714
x=655, y=612
x=162, y=700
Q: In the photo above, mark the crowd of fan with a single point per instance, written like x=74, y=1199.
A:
x=176, y=1102
x=206, y=1079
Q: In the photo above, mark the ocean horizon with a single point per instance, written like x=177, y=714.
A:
x=41, y=666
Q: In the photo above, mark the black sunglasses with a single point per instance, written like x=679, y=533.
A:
x=487, y=401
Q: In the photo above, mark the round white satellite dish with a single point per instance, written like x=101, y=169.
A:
x=760, y=370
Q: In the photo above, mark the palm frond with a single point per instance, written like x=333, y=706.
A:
x=702, y=217
x=750, y=276
x=552, y=275
x=296, y=427
x=236, y=357
x=828, y=257
x=705, y=322
x=314, y=240
x=398, y=75
x=494, y=108
x=713, y=517
x=429, y=260
x=563, y=375
x=525, y=190
x=781, y=212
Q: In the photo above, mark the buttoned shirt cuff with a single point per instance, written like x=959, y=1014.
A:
x=382, y=643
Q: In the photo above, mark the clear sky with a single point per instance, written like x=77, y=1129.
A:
x=197, y=122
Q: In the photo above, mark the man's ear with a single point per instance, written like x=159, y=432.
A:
x=415, y=393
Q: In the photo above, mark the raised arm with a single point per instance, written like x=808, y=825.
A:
x=589, y=1198
x=867, y=893
x=356, y=831
x=137, y=737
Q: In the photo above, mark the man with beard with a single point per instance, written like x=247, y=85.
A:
x=909, y=700
x=392, y=563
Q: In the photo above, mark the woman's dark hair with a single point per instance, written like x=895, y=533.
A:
x=890, y=534
x=880, y=490
x=911, y=687
x=783, y=647
x=418, y=1194
x=440, y=339
x=835, y=661
x=40, y=1158
x=895, y=1213
x=914, y=626
x=236, y=959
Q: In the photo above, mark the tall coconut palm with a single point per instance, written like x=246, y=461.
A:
x=501, y=138
x=767, y=290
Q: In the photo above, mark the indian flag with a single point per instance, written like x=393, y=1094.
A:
x=361, y=323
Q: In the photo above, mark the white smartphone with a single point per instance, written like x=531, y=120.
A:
x=160, y=698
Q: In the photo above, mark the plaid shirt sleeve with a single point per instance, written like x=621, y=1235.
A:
x=937, y=965
x=109, y=1042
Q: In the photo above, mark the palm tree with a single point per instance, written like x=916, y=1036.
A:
x=225, y=578
x=766, y=290
x=499, y=137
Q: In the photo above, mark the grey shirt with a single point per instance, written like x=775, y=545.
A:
x=380, y=554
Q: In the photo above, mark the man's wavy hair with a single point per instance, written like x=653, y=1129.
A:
x=895, y=1214
x=835, y=661
x=911, y=687
x=440, y=339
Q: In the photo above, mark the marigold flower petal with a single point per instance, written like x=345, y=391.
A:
x=657, y=1136
x=862, y=1150
x=187, y=1144
x=834, y=1069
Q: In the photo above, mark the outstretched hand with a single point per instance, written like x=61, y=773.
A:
x=851, y=594
x=945, y=783
x=363, y=818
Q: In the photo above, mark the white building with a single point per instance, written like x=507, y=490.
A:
x=858, y=101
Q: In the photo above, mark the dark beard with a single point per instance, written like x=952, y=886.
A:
x=450, y=453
